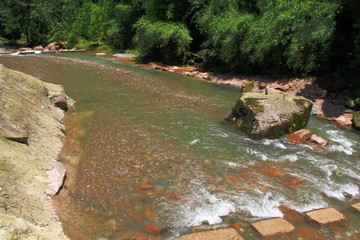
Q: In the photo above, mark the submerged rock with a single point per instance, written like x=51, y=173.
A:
x=270, y=116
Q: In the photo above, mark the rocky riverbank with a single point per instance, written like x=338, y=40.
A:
x=330, y=106
x=30, y=173
x=53, y=47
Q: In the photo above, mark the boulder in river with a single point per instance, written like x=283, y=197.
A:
x=270, y=116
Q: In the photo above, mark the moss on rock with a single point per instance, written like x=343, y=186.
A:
x=270, y=116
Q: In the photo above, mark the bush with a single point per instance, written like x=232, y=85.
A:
x=158, y=37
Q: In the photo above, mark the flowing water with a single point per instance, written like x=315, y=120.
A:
x=155, y=153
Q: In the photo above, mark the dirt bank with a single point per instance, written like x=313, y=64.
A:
x=30, y=126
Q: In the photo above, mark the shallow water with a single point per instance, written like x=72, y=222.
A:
x=167, y=131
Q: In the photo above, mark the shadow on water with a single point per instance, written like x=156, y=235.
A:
x=150, y=156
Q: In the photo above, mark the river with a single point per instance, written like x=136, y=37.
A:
x=154, y=153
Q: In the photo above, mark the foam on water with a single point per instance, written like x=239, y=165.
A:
x=289, y=157
x=344, y=144
x=265, y=206
x=194, y=141
x=200, y=206
x=258, y=154
x=232, y=164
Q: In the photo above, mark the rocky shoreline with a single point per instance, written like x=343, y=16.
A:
x=31, y=174
x=327, y=105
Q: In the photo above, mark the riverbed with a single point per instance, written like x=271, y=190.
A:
x=154, y=155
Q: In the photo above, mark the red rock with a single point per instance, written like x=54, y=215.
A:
x=120, y=227
x=291, y=215
x=237, y=225
x=253, y=174
x=152, y=229
x=138, y=219
x=169, y=195
x=263, y=188
x=319, y=140
x=336, y=229
x=172, y=195
x=271, y=172
x=137, y=167
x=149, y=214
x=145, y=186
x=345, y=120
x=299, y=136
x=307, y=233
x=137, y=174
x=150, y=193
x=232, y=179
x=292, y=182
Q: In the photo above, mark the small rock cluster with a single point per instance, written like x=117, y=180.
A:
x=50, y=48
x=316, y=142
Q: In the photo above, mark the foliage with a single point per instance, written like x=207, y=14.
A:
x=151, y=36
x=283, y=36
x=292, y=37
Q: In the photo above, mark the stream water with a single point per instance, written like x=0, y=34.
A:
x=155, y=153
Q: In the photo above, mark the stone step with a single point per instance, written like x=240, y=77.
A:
x=356, y=206
x=218, y=234
x=273, y=227
x=326, y=216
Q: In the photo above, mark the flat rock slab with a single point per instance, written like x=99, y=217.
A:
x=273, y=227
x=223, y=234
x=356, y=206
x=326, y=216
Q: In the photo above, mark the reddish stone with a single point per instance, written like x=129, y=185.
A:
x=242, y=174
x=232, y=179
x=237, y=225
x=138, y=219
x=319, y=140
x=299, y=136
x=292, y=215
x=345, y=120
x=172, y=195
x=253, y=174
x=87, y=210
x=280, y=167
x=263, y=188
x=149, y=214
x=137, y=167
x=292, y=182
x=173, y=166
x=120, y=227
x=271, y=172
x=145, y=186
x=152, y=229
x=150, y=193
x=137, y=174
x=336, y=229
x=307, y=233
x=169, y=195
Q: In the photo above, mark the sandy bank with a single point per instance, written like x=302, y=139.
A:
x=30, y=126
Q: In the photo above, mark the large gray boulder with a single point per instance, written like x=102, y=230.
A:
x=270, y=116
